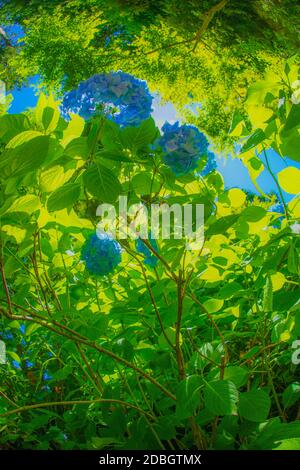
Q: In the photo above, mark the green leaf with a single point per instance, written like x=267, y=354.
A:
x=50, y=119
x=21, y=138
x=254, y=405
x=289, y=179
x=188, y=396
x=221, y=397
x=291, y=395
x=221, y=225
x=62, y=374
x=103, y=442
x=77, y=148
x=237, y=118
x=28, y=204
x=256, y=138
x=115, y=155
x=11, y=125
x=13, y=355
x=32, y=328
x=289, y=444
x=237, y=375
x=54, y=177
x=63, y=197
x=213, y=305
x=26, y=157
x=143, y=183
x=102, y=183
x=293, y=119
x=290, y=145
x=137, y=138
x=229, y=290
x=111, y=136
x=253, y=214
x=293, y=260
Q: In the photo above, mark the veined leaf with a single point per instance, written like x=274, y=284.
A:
x=63, y=197
x=221, y=397
x=102, y=183
x=254, y=405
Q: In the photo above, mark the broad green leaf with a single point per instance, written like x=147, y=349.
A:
x=22, y=138
x=111, y=136
x=50, y=119
x=103, y=442
x=253, y=214
x=63, y=197
x=102, y=183
x=213, y=305
x=143, y=183
x=289, y=444
x=278, y=280
x=32, y=328
x=77, y=148
x=291, y=395
x=54, y=177
x=116, y=155
x=237, y=375
x=136, y=138
x=11, y=125
x=74, y=129
x=289, y=146
x=293, y=119
x=26, y=157
x=289, y=179
x=62, y=374
x=256, y=138
x=188, y=396
x=254, y=405
x=229, y=290
x=221, y=225
x=237, y=197
x=13, y=355
x=28, y=204
x=221, y=397
x=236, y=125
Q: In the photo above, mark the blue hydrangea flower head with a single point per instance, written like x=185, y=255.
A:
x=22, y=329
x=28, y=364
x=46, y=376
x=183, y=147
x=7, y=336
x=101, y=254
x=211, y=164
x=150, y=258
x=120, y=96
x=16, y=364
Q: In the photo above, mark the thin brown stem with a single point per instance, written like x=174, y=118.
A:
x=74, y=402
x=95, y=346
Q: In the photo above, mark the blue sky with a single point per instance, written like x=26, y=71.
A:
x=232, y=169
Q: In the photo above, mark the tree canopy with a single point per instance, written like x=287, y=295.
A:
x=203, y=52
x=149, y=342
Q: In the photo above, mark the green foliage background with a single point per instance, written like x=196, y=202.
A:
x=196, y=353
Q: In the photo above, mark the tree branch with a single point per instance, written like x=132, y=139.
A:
x=208, y=17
